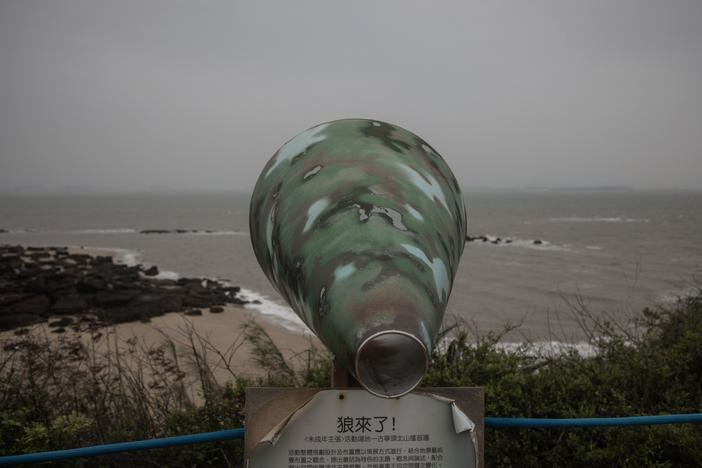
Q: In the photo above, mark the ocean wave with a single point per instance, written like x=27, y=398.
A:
x=121, y=256
x=287, y=318
x=192, y=232
x=599, y=219
x=218, y=233
x=130, y=258
x=125, y=230
x=17, y=231
x=544, y=245
x=104, y=231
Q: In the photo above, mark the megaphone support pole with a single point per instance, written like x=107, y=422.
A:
x=342, y=378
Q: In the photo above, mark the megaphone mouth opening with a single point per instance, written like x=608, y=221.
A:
x=391, y=363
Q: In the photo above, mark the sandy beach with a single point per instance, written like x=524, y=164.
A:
x=218, y=336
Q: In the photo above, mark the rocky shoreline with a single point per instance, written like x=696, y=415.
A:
x=498, y=240
x=65, y=288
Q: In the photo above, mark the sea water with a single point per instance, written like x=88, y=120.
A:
x=612, y=253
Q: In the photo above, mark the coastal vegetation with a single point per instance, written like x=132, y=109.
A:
x=65, y=392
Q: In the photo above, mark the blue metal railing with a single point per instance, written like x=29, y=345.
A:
x=239, y=434
x=123, y=447
x=595, y=422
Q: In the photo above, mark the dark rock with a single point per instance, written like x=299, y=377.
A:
x=119, y=314
x=71, y=304
x=197, y=301
x=62, y=281
x=11, y=298
x=538, y=242
x=29, y=272
x=256, y=302
x=197, y=290
x=91, y=284
x=108, y=299
x=10, y=321
x=147, y=298
x=59, y=330
x=62, y=322
x=170, y=303
x=13, y=261
x=34, y=305
x=37, y=282
x=21, y=331
x=3, y=231
x=37, y=286
x=6, y=270
x=126, y=284
x=80, y=259
x=154, y=231
x=188, y=281
x=164, y=282
x=40, y=256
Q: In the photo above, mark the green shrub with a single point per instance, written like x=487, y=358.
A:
x=55, y=396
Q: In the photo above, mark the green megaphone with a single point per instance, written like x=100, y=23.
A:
x=360, y=225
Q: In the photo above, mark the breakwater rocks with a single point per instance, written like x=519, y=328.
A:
x=40, y=283
x=498, y=240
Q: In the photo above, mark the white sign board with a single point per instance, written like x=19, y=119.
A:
x=354, y=429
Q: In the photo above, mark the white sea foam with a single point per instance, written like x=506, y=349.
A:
x=125, y=256
x=287, y=318
x=218, y=233
x=544, y=245
x=121, y=256
x=125, y=230
x=167, y=274
x=536, y=244
x=550, y=348
x=104, y=231
x=131, y=258
x=598, y=219
x=671, y=297
x=285, y=315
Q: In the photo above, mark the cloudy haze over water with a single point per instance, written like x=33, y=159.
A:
x=176, y=95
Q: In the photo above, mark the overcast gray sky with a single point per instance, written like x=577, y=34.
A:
x=133, y=95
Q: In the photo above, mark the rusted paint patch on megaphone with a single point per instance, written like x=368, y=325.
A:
x=360, y=225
